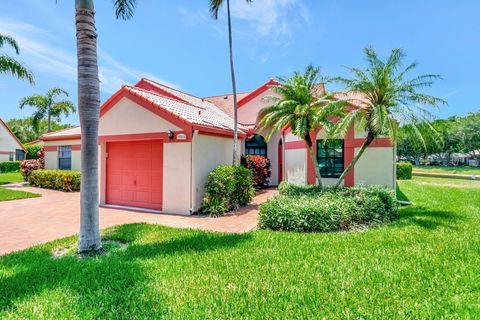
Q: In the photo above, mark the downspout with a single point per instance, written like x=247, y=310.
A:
x=192, y=182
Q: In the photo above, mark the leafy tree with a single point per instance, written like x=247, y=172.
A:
x=215, y=6
x=9, y=65
x=26, y=132
x=89, y=112
x=389, y=99
x=48, y=107
x=301, y=108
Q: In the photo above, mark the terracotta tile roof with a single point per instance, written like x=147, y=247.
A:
x=355, y=98
x=68, y=133
x=225, y=101
x=203, y=114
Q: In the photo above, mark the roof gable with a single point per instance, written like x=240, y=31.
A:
x=14, y=137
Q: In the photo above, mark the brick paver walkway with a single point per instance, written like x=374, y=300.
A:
x=27, y=222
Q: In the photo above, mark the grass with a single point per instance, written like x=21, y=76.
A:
x=424, y=266
x=10, y=177
x=8, y=194
x=450, y=169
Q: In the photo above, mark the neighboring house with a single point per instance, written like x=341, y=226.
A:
x=158, y=144
x=11, y=149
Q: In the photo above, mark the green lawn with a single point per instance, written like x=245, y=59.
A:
x=450, y=169
x=10, y=177
x=7, y=194
x=424, y=266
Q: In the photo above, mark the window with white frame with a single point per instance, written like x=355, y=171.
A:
x=65, y=157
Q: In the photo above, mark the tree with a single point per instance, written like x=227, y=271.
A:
x=301, y=107
x=25, y=131
x=89, y=112
x=215, y=6
x=9, y=65
x=389, y=99
x=48, y=107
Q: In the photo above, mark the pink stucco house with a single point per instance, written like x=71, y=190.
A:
x=158, y=144
x=11, y=149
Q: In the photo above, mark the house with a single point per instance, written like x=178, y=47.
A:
x=158, y=144
x=11, y=149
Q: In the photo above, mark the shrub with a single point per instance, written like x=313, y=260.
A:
x=27, y=166
x=309, y=209
x=9, y=166
x=228, y=187
x=260, y=167
x=404, y=170
x=33, y=151
x=66, y=180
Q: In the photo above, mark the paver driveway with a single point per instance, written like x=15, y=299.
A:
x=26, y=222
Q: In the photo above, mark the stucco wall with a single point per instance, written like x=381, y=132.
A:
x=296, y=166
x=51, y=157
x=208, y=153
x=7, y=144
x=127, y=117
x=247, y=114
x=376, y=166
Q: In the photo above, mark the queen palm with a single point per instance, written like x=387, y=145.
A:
x=9, y=65
x=301, y=107
x=89, y=112
x=215, y=6
x=48, y=107
x=389, y=99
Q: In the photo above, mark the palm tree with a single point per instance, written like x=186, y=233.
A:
x=8, y=65
x=48, y=107
x=389, y=100
x=303, y=108
x=89, y=111
x=215, y=6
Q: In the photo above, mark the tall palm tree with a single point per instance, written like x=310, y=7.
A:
x=48, y=107
x=389, y=99
x=89, y=112
x=303, y=108
x=9, y=65
x=215, y=6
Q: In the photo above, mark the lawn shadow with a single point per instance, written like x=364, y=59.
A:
x=105, y=287
x=428, y=219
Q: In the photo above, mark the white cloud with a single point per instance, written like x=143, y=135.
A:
x=50, y=57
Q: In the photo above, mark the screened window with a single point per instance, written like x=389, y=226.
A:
x=65, y=158
x=11, y=156
x=19, y=154
x=256, y=145
x=330, y=157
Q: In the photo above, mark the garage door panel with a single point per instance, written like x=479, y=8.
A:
x=135, y=174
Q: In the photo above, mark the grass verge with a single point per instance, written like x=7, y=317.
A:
x=7, y=194
x=10, y=177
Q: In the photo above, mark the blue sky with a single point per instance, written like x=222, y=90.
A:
x=178, y=43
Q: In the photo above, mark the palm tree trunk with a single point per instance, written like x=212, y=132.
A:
x=49, y=121
x=313, y=156
x=234, y=88
x=365, y=144
x=88, y=109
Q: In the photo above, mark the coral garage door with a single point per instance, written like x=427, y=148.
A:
x=135, y=174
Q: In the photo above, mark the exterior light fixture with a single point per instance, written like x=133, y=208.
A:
x=171, y=135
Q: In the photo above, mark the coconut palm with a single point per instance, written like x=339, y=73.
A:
x=9, y=65
x=215, y=6
x=389, y=99
x=89, y=112
x=303, y=108
x=48, y=107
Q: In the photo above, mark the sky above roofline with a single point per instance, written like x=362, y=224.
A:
x=178, y=43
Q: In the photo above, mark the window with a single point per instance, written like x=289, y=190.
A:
x=256, y=145
x=65, y=158
x=11, y=156
x=19, y=155
x=330, y=158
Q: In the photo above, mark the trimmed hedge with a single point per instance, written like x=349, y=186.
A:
x=66, y=180
x=228, y=187
x=309, y=209
x=9, y=166
x=32, y=151
x=404, y=170
x=260, y=167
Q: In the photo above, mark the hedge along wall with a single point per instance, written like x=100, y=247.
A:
x=66, y=180
x=9, y=166
x=404, y=170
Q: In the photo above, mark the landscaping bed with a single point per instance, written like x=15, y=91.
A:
x=311, y=209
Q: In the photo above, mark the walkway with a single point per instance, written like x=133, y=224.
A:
x=27, y=222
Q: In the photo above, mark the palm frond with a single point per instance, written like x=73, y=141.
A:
x=124, y=9
x=5, y=39
x=8, y=65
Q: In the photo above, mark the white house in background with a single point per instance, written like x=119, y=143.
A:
x=158, y=144
x=11, y=148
